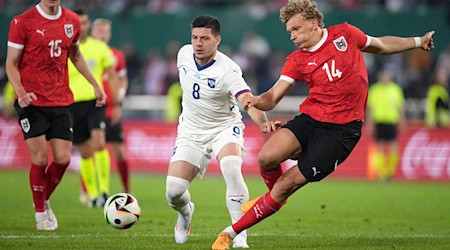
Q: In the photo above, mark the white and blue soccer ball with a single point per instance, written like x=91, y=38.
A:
x=122, y=210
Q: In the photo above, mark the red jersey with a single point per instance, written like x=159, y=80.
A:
x=45, y=41
x=335, y=73
x=120, y=68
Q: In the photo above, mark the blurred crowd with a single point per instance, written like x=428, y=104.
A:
x=155, y=72
x=259, y=7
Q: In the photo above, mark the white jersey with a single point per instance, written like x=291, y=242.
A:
x=209, y=93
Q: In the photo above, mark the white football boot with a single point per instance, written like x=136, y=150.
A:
x=43, y=223
x=51, y=215
x=240, y=241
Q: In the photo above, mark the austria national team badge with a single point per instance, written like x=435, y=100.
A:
x=211, y=83
x=68, y=28
x=340, y=44
x=25, y=123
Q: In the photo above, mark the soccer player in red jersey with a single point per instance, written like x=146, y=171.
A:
x=40, y=42
x=101, y=30
x=330, y=61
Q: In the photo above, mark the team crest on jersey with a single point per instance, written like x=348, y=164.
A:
x=25, y=123
x=68, y=29
x=211, y=83
x=340, y=44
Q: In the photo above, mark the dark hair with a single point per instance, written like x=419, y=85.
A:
x=206, y=21
x=80, y=12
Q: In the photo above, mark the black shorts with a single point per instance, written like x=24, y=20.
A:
x=324, y=145
x=385, y=132
x=86, y=117
x=54, y=122
x=114, y=133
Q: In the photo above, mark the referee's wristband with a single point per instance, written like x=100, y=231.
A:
x=418, y=42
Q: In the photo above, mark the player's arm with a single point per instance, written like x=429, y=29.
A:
x=12, y=71
x=393, y=44
x=113, y=82
x=78, y=61
x=259, y=117
x=269, y=99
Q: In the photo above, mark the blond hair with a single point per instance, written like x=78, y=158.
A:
x=101, y=21
x=308, y=9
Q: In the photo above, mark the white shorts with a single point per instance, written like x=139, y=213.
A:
x=198, y=151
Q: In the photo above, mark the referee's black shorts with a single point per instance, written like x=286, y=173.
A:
x=86, y=117
x=324, y=145
x=385, y=132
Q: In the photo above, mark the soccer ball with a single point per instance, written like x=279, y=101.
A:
x=121, y=210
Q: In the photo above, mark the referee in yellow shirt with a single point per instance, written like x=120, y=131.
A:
x=385, y=118
x=89, y=121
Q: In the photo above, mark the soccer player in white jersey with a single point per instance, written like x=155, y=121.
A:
x=211, y=122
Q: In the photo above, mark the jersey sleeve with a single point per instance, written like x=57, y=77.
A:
x=77, y=30
x=17, y=34
x=358, y=36
x=236, y=83
x=289, y=72
x=121, y=66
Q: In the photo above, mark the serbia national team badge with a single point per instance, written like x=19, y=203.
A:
x=211, y=83
x=25, y=123
x=340, y=44
x=68, y=28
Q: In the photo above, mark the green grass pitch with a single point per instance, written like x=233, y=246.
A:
x=333, y=214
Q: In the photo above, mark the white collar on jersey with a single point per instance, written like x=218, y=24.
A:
x=320, y=43
x=49, y=17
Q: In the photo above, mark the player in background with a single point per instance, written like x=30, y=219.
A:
x=385, y=119
x=330, y=61
x=40, y=42
x=101, y=30
x=89, y=120
x=210, y=122
x=9, y=98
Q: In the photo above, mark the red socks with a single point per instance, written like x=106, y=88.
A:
x=124, y=173
x=55, y=173
x=262, y=209
x=37, y=185
x=271, y=176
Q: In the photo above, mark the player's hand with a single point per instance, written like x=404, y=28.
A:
x=247, y=102
x=101, y=97
x=427, y=41
x=270, y=126
x=26, y=99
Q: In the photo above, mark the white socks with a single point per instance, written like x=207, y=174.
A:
x=178, y=197
x=237, y=191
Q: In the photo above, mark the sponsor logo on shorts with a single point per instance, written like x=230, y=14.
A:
x=315, y=171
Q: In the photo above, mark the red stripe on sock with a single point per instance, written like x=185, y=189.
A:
x=37, y=185
x=262, y=209
x=54, y=175
x=271, y=176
